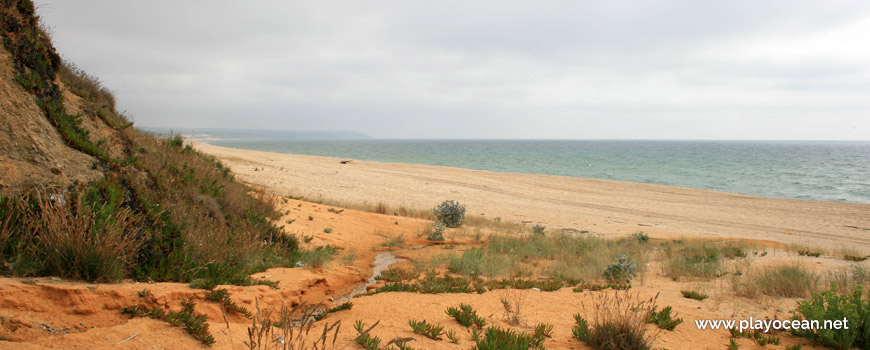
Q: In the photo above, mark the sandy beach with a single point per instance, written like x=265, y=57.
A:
x=606, y=207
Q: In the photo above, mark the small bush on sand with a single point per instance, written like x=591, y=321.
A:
x=450, y=213
x=640, y=236
x=618, y=322
x=623, y=271
x=437, y=233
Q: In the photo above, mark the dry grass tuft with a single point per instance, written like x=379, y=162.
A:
x=290, y=329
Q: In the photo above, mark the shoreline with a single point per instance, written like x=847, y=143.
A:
x=604, y=207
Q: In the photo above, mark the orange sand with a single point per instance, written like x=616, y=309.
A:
x=48, y=312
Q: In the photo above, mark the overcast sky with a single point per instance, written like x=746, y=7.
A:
x=482, y=69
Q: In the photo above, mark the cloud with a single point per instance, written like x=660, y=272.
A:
x=483, y=69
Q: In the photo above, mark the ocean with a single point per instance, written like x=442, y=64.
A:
x=815, y=170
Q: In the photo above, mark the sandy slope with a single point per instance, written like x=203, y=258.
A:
x=601, y=206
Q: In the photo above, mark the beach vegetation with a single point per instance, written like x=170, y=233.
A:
x=622, y=271
x=618, y=322
x=290, y=328
x=466, y=316
x=664, y=320
x=222, y=297
x=640, y=236
x=557, y=256
x=827, y=306
x=424, y=328
x=496, y=338
x=789, y=281
x=698, y=259
x=396, y=274
x=162, y=211
x=318, y=257
x=340, y=307
x=691, y=294
x=450, y=213
x=193, y=323
x=437, y=232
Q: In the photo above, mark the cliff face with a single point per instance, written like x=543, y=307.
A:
x=131, y=205
x=59, y=127
x=32, y=151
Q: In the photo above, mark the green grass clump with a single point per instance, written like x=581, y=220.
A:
x=364, y=337
x=396, y=274
x=691, y=294
x=341, y=307
x=556, y=256
x=804, y=252
x=424, y=328
x=495, y=338
x=698, y=259
x=318, y=257
x=854, y=258
x=664, y=319
x=598, y=287
x=193, y=323
x=221, y=296
x=466, y=316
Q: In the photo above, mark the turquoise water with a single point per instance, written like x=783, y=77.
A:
x=829, y=171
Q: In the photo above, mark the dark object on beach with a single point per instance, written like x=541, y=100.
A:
x=346, y=161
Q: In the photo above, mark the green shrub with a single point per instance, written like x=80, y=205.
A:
x=437, y=233
x=640, y=236
x=623, y=271
x=828, y=306
x=450, y=213
x=539, y=229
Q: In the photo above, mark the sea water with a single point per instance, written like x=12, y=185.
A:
x=816, y=170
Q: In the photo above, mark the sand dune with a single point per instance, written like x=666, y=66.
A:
x=600, y=206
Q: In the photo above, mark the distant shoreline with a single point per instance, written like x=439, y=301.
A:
x=776, y=169
x=605, y=207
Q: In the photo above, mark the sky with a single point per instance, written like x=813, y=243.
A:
x=797, y=70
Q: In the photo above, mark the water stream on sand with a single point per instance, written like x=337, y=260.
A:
x=382, y=262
